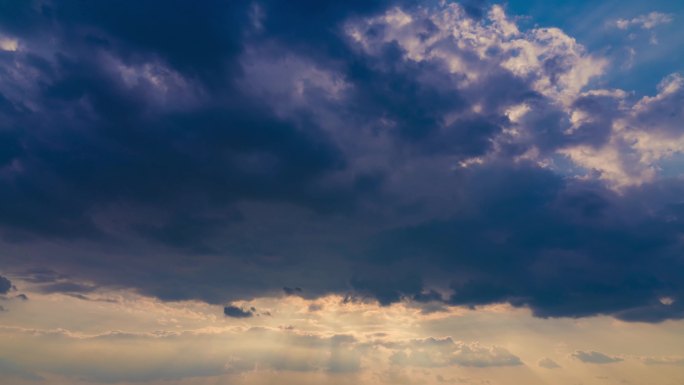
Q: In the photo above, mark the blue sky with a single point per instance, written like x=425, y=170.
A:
x=372, y=192
x=588, y=21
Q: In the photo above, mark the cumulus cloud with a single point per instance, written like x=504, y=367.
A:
x=641, y=136
x=592, y=357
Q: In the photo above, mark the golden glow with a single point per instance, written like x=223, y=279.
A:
x=125, y=337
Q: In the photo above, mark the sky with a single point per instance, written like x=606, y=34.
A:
x=341, y=192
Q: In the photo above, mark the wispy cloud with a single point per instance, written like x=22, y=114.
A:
x=646, y=21
x=592, y=357
x=548, y=363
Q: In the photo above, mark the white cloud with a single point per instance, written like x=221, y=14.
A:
x=622, y=141
x=646, y=21
x=557, y=65
x=8, y=44
x=161, y=86
x=642, y=135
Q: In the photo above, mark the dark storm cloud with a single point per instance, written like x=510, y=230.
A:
x=66, y=287
x=387, y=85
x=213, y=157
x=39, y=275
x=136, y=150
x=200, y=40
x=475, y=8
x=96, y=140
x=292, y=291
x=561, y=248
x=386, y=287
x=237, y=312
x=5, y=285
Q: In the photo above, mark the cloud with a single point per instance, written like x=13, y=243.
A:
x=548, y=363
x=646, y=21
x=66, y=287
x=5, y=285
x=8, y=44
x=641, y=139
x=256, y=350
x=292, y=291
x=392, y=151
x=591, y=357
x=13, y=370
x=677, y=361
x=436, y=352
x=237, y=312
x=39, y=275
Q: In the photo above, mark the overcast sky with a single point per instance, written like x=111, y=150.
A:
x=336, y=192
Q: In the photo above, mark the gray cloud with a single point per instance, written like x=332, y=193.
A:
x=548, y=363
x=292, y=291
x=5, y=285
x=237, y=312
x=13, y=370
x=592, y=357
x=66, y=287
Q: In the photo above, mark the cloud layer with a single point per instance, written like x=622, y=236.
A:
x=595, y=357
x=440, y=154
